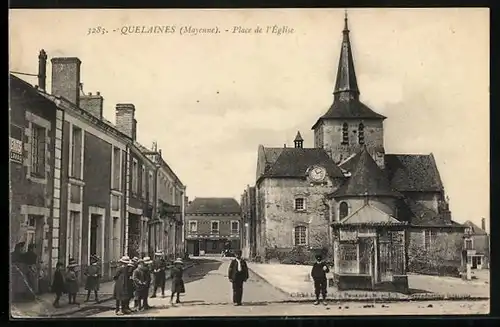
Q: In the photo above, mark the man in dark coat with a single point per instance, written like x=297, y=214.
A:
x=318, y=274
x=58, y=284
x=238, y=274
x=121, y=290
x=159, y=267
x=140, y=279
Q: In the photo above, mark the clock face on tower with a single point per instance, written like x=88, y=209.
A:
x=317, y=173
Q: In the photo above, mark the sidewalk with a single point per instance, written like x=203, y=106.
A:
x=42, y=306
x=295, y=281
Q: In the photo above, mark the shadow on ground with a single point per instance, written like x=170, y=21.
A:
x=201, y=268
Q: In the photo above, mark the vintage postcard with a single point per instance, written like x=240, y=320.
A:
x=277, y=162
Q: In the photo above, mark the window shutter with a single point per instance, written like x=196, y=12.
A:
x=293, y=236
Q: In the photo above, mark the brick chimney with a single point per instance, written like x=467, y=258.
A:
x=125, y=119
x=42, y=70
x=92, y=104
x=66, y=78
x=483, y=224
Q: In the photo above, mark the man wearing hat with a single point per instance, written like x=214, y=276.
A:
x=140, y=278
x=131, y=267
x=318, y=274
x=238, y=274
x=93, y=274
x=121, y=289
x=147, y=267
x=159, y=267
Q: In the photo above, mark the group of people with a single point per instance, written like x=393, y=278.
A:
x=134, y=277
x=67, y=282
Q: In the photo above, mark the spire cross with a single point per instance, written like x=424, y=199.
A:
x=345, y=21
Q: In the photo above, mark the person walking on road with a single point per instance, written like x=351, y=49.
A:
x=58, y=284
x=238, y=274
x=159, y=267
x=93, y=274
x=72, y=281
x=318, y=274
x=121, y=289
x=177, y=281
x=141, y=285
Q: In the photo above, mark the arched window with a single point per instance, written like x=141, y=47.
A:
x=343, y=210
x=300, y=235
x=361, y=133
x=345, y=133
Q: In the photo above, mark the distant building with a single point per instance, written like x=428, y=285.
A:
x=212, y=224
x=478, y=245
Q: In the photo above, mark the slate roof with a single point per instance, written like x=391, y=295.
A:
x=413, y=172
x=293, y=162
x=419, y=215
x=352, y=109
x=366, y=179
x=213, y=206
x=476, y=230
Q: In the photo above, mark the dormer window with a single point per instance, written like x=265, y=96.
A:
x=361, y=133
x=345, y=134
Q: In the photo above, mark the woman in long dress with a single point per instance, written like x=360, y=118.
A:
x=177, y=281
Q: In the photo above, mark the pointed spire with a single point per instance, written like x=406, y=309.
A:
x=346, y=86
x=299, y=141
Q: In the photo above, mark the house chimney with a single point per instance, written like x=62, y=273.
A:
x=93, y=104
x=483, y=224
x=66, y=78
x=125, y=121
x=42, y=69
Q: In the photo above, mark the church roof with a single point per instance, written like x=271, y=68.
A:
x=369, y=214
x=413, y=173
x=419, y=215
x=476, y=230
x=213, y=205
x=346, y=104
x=293, y=162
x=367, y=179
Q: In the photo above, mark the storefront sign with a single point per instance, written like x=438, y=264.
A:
x=346, y=235
x=16, y=150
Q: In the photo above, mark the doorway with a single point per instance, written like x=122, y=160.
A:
x=96, y=232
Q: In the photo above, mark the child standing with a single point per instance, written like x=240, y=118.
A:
x=93, y=273
x=177, y=281
x=318, y=274
x=72, y=281
x=58, y=285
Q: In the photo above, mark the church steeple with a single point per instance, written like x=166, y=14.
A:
x=299, y=141
x=346, y=86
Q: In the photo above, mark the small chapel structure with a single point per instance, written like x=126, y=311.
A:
x=378, y=215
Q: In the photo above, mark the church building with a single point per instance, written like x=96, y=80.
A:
x=302, y=192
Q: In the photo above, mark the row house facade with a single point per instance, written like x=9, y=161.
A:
x=34, y=129
x=98, y=193
x=166, y=229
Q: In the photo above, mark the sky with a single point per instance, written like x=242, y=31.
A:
x=209, y=100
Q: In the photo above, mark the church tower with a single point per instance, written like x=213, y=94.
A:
x=349, y=125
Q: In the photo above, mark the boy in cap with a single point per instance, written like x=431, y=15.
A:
x=238, y=274
x=93, y=274
x=318, y=274
x=72, y=281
